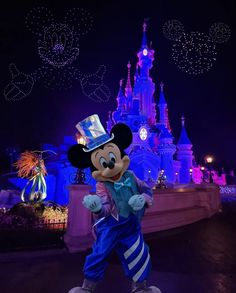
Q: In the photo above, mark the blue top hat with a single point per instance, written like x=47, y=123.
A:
x=93, y=132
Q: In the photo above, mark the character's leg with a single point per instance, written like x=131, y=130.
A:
x=142, y=287
x=135, y=258
x=96, y=262
x=88, y=286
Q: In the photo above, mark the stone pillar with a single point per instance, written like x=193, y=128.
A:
x=78, y=236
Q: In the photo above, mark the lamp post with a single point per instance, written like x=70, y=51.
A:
x=176, y=178
x=209, y=160
x=80, y=176
x=203, y=174
x=191, y=175
x=161, y=180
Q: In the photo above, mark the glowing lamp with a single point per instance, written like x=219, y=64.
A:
x=145, y=52
x=191, y=170
x=202, y=168
x=209, y=159
x=80, y=139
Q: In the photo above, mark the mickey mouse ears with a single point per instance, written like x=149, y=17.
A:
x=39, y=18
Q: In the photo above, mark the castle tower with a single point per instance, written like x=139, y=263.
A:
x=109, y=122
x=121, y=100
x=184, y=154
x=136, y=76
x=128, y=89
x=121, y=104
x=144, y=87
x=166, y=150
x=163, y=109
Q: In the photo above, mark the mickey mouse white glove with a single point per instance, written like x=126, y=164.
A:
x=137, y=202
x=92, y=202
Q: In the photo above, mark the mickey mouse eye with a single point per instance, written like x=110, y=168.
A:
x=63, y=39
x=112, y=157
x=103, y=162
x=54, y=39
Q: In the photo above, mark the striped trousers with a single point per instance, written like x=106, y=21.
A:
x=125, y=237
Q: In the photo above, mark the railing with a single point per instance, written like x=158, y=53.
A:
x=228, y=192
x=47, y=225
x=42, y=234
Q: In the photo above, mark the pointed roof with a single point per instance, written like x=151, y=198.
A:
x=162, y=99
x=128, y=88
x=136, y=76
x=184, y=139
x=165, y=133
x=144, y=39
x=120, y=93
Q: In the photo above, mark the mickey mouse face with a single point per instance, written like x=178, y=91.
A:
x=109, y=164
x=58, y=41
x=56, y=47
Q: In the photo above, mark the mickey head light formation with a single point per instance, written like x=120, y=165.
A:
x=58, y=48
x=195, y=53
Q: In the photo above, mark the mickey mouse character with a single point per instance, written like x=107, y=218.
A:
x=117, y=206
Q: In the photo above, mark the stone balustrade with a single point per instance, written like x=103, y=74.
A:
x=182, y=205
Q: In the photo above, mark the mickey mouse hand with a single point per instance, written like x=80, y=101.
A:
x=20, y=86
x=92, y=202
x=137, y=202
x=93, y=86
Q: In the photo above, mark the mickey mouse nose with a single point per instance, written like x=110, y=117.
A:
x=58, y=48
x=111, y=165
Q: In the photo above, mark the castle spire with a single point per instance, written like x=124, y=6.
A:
x=136, y=76
x=184, y=139
x=109, y=122
x=163, y=109
x=121, y=105
x=184, y=155
x=144, y=39
x=128, y=88
x=162, y=99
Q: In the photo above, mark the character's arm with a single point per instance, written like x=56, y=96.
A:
x=102, y=192
x=20, y=86
x=93, y=86
x=145, y=190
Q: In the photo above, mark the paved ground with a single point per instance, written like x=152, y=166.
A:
x=200, y=258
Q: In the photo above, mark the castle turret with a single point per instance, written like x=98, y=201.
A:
x=136, y=76
x=184, y=154
x=109, y=122
x=163, y=109
x=121, y=99
x=144, y=87
x=145, y=55
x=121, y=104
x=166, y=150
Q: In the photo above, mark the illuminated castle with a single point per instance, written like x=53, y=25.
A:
x=152, y=149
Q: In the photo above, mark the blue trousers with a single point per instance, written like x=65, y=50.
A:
x=125, y=237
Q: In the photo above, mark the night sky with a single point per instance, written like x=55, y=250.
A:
x=46, y=116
